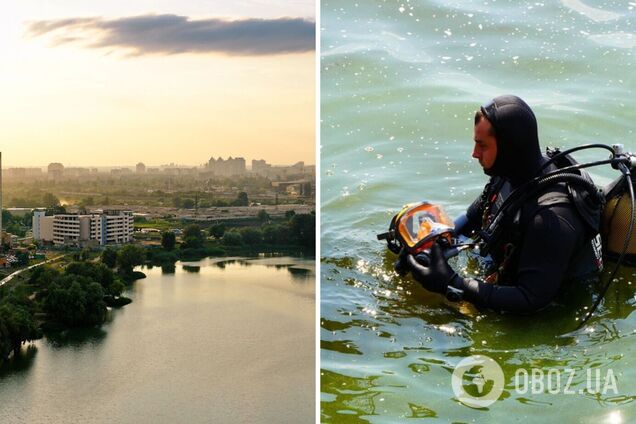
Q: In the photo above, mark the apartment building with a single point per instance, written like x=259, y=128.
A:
x=100, y=227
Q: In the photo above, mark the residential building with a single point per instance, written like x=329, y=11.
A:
x=100, y=227
x=260, y=167
x=55, y=170
x=227, y=168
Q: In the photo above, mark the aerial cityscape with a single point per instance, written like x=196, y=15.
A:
x=158, y=226
x=88, y=206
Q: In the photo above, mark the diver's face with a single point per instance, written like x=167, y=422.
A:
x=485, y=150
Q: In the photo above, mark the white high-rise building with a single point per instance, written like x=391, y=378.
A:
x=106, y=227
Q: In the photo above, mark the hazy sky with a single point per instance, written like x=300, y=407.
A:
x=90, y=82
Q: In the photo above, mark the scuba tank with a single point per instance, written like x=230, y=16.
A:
x=616, y=221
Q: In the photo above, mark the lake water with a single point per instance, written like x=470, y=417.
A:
x=400, y=84
x=214, y=341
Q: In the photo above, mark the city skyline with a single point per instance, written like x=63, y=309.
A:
x=8, y=165
x=108, y=84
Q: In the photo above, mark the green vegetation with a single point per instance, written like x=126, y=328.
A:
x=294, y=235
x=72, y=294
x=217, y=231
x=128, y=257
x=193, y=237
x=15, y=224
x=196, y=190
x=17, y=324
x=168, y=240
x=109, y=257
x=159, y=224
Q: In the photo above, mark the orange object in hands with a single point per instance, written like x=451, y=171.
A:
x=417, y=226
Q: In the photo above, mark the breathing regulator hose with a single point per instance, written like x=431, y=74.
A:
x=518, y=197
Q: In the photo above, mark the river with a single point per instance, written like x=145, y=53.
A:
x=400, y=82
x=228, y=340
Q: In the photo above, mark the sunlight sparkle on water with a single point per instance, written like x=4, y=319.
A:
x=447, y=329
x=614, y=417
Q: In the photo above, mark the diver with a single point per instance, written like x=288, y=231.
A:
x=551, y=238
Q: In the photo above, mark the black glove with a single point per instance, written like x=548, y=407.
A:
x=436, y=275
x=400, y=266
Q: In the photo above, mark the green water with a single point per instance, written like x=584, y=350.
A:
x=227, y=341
x=400, y=83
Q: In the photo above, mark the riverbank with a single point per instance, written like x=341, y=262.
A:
x=55, y=296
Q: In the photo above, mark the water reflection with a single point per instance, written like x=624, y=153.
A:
x=19, y=362
x=352, y=397
x=75, y=337
x=301, y=274
x=224, y=263
x=191, y=269
x=168, y=268
x=170, y=347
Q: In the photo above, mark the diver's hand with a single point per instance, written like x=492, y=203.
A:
x=400, y=266
x=437, y=275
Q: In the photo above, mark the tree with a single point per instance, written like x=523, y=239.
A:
x=85, y=254
x=232, y=238
x=130, y=256
x=241, y=199
x=6, y=217
x=22, y=257
x=43, y=276
x=217, y=231
x=168, y=240
x=99, y=273
x=193, y=237
x=18, y=326
x=109, y=257
x=187, y=204
x=303, y=228
x=289, y=215
x=251, y=235
x=263, y=216
x=75, y=300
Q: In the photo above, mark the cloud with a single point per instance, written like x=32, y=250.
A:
x=173, y=34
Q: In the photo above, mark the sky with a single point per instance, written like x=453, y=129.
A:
x=108, y=83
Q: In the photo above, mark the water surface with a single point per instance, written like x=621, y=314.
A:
x=214, y=341
x=400, y=84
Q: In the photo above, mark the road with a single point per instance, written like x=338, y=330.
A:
x=10, y=276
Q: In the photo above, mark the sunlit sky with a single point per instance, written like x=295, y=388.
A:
x=99, y=94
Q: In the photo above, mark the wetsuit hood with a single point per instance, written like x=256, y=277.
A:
x=518, y=152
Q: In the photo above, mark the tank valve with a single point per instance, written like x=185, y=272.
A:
x=618, y=149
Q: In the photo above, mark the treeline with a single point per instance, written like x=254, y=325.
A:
x=75, y=296
x=299, y=230
x=295, y=232
x=183, y=191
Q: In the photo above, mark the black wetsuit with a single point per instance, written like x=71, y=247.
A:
x=550, y=246
x=553, y=245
